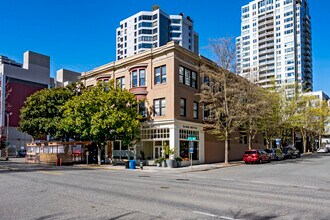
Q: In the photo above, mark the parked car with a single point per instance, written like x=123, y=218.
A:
x=288, y=153
x=21, y=153
x=291, y=152
x=256, y=156
x=327, y=146
x=322, y=150
x=296, y=152
x=275, y=153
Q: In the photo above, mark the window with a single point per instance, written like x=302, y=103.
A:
x=187, y=77
x=142, y=78
x=134, y=78
x=160, y=75
x=143, y=109
x=159, y=107
x=182, y=107
x=138, y=78
x=195, y=108
x=121, y=82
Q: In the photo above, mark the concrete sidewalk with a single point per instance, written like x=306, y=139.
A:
x=151, y=169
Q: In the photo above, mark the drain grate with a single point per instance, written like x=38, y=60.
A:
x=143, y=176
x=164, y=187
x=182, y=179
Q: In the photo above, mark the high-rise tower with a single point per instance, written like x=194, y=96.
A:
x=275, y=44
x=150, y=29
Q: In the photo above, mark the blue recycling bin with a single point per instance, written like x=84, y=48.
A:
x=132, y=164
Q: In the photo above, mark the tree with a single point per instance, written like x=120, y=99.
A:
x=271, y=122
x=301, y=115
x=256, y=105
x=221, y=93
x=102, y=112
x=41, y=114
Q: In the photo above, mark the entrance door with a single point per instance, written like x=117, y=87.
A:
x=157, y=151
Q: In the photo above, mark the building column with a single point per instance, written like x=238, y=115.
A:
x=174, y=139
x=202, y=146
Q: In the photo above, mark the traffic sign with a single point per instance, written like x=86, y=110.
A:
x=191, y=150
x=278, y=141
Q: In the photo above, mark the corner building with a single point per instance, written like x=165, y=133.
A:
x=169, y=80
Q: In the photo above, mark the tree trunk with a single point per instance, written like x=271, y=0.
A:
x=320, y=139
x=293, y=137
x=226, y=147
x=250, y=141
x=99, y=151
x=304, y=142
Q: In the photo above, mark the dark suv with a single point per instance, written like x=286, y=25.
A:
x=21, y=153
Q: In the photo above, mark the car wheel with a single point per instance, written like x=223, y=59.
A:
x=269, y=160
x=260, y=161
x=246, y=162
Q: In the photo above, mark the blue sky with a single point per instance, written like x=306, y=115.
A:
x=80, y=34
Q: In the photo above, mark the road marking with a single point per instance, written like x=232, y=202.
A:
x=311, y=187
x=212, y=215
x=52, y=173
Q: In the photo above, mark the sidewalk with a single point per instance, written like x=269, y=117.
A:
x=152, y=169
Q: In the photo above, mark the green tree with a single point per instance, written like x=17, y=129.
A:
x=102, y=112
x=221, y=93
x=256, y=106
x=41, y=113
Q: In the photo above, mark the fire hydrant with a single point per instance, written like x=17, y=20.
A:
x=141, y=165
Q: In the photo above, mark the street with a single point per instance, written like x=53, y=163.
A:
x=290, y=189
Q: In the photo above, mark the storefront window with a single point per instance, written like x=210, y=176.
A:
x=184, y=150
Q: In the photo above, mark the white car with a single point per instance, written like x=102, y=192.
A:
x=322, y=150
x=327, y=146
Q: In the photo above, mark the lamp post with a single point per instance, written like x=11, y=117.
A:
x=7, y=133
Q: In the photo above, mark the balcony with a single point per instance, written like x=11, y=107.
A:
x=269, y=51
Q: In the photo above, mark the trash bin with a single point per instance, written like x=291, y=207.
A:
x=132, y=164
x=126, y=164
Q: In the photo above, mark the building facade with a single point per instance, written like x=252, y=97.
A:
x=167, y=77
x=151, y=29
x=18, y=81
x=275, y=45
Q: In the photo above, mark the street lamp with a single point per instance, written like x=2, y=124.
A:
x=7, y=133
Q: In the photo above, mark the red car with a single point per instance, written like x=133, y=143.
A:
x=256, y=156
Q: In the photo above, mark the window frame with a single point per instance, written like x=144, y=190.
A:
x=195, y=110
x=137, y=80
x=161, y=107
x=183, y=107
x=162, y=75
x=188, y=77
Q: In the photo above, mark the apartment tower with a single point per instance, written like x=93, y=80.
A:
x=151, y=29
x=275, y=44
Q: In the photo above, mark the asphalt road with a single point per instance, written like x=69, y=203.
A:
x=291, y=189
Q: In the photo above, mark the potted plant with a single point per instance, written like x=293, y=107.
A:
x=178, y=161
x=159, y=161
x=170, y=162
